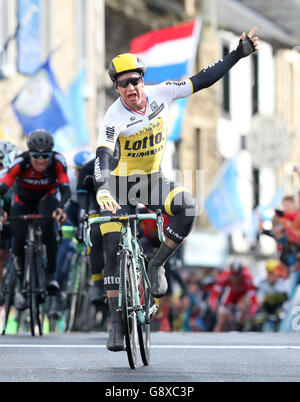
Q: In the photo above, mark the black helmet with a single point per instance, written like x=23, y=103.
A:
x=40, y=141
x=124, y=63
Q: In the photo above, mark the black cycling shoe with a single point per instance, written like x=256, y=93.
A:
x=52, y=287
x=158, y=280
x=54, y=310
x=20, y=302
x=156, y=270
x=98, y=293
x=115, y=341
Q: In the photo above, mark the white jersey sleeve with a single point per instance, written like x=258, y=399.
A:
x=172, y=90
x=110, y=128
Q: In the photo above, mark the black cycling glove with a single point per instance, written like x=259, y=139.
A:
x=245, y=48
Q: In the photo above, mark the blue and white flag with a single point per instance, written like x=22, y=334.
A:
x=223, y=204
x=175, y=118
x=40, y=102
x=75, y=134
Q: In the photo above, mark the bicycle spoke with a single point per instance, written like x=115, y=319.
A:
x=128, y=312
x=144, y=329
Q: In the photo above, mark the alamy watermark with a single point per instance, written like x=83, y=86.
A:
x=154, y=190
x=295, y=313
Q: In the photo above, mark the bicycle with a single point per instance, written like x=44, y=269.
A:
x=34, y=278
x=136, y=302
x=8, y=289
x=79, y=282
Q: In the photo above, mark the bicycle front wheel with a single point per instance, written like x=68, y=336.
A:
x=9, y=284
x=147, y=301
x=128, y=309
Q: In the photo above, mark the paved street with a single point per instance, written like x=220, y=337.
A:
x=176, y=357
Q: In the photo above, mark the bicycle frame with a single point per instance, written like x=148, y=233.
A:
x=130, y=244
x=33, y=236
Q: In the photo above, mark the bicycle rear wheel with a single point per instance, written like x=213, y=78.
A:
x=34, y=307
x=76, y=293
x=83, y=312
x=128, y=310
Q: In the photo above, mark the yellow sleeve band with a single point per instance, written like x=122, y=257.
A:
x=170, y=197
x=191, y=84
x=97, y=277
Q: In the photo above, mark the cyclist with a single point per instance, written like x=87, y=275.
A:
x=66, y=245
x=8, y=151
x=286, y=230
x=127, y=167
x=37, y=173
x=234, y=290
x=66, y=249
x=272, y=292
x=86, y=194
x=80, y=159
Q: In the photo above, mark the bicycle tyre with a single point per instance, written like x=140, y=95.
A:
x=144, y=329
x=83, y=304
x=40, y=291
x=81, y=315
x=72, y=294
x=33, y=294
x=30, y=262
x=128, y=311
x=9, y=284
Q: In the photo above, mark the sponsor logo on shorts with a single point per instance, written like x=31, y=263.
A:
x=111, y=280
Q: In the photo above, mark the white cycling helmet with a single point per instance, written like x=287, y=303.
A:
x=8, y=152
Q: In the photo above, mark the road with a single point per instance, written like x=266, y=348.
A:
x=176, y=357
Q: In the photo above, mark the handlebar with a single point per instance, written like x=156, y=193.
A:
x=127, y=218
x=122, y=218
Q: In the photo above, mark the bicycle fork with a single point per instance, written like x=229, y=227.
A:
x=127, y=248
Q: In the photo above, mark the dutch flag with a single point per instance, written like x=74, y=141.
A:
x=168, y=53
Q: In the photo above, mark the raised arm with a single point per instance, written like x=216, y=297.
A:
x=211, y=74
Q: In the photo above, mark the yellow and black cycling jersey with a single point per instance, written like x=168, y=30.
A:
x=137, y=139
x=272, y=294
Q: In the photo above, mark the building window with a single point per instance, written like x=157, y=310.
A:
x=8, y=26
x=226, y=84
x=83, y=34
x=46, y=28
x=255, y=100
